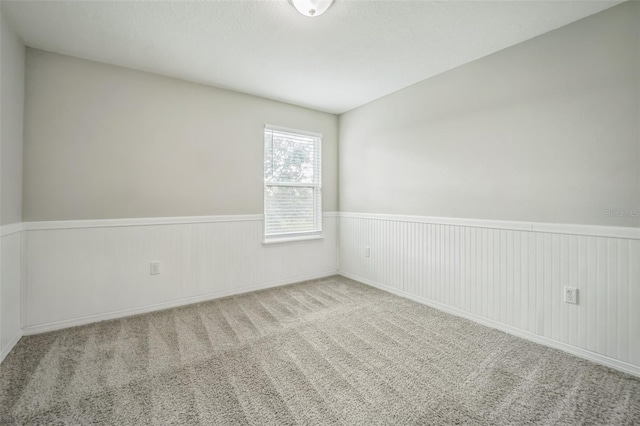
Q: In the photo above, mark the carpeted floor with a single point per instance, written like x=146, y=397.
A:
x=331, y=351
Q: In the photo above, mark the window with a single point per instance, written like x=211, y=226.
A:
x=292, y=184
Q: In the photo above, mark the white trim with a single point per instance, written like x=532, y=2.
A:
x=589, y=230
x=293, y=184
x=555, y=228
x=12, y=228
x=478, y=223
x=579, y=352
x=143, y=221
x=289, y=239
x=10, y=346
x=293, y=131
x=58, y=325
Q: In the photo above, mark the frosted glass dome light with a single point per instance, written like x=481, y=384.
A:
x=311, y=8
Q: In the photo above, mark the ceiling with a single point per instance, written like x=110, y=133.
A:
x=356, y=52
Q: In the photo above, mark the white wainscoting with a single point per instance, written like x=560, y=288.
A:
x=85, y=271
x=509, y=275
x=10, y=287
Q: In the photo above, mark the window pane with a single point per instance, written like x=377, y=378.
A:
x=291, y=158
x=289, y=210
x=268, y=156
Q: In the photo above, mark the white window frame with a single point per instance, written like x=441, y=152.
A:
x=317, y=190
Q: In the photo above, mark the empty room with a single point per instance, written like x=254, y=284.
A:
x=320, y=212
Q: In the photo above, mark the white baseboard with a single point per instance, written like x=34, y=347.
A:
x=10, y=346
x=579, y=352
x=59, y=325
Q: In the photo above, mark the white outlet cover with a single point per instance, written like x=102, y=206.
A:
x=571, y=295
x=154, y=268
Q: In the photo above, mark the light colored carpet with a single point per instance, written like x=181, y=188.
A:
x=331, y=351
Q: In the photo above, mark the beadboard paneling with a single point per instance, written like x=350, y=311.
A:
x=511, y=277
x=79, y=274
x=10, y=329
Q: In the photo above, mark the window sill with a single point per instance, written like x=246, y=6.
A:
x=278, y=240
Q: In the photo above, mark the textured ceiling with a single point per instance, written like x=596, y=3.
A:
x=356, y=52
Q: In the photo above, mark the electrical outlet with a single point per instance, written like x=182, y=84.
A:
x=571, y=295
x=367, y=251
x=154, y=268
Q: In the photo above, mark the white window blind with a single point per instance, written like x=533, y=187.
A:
x=292, y=183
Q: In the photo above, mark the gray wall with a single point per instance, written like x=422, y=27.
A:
x=12, y=63
x=108, y=142
x=545, y=131
x=12, y=57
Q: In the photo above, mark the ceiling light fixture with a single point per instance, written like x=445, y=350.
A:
x=311, y=8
